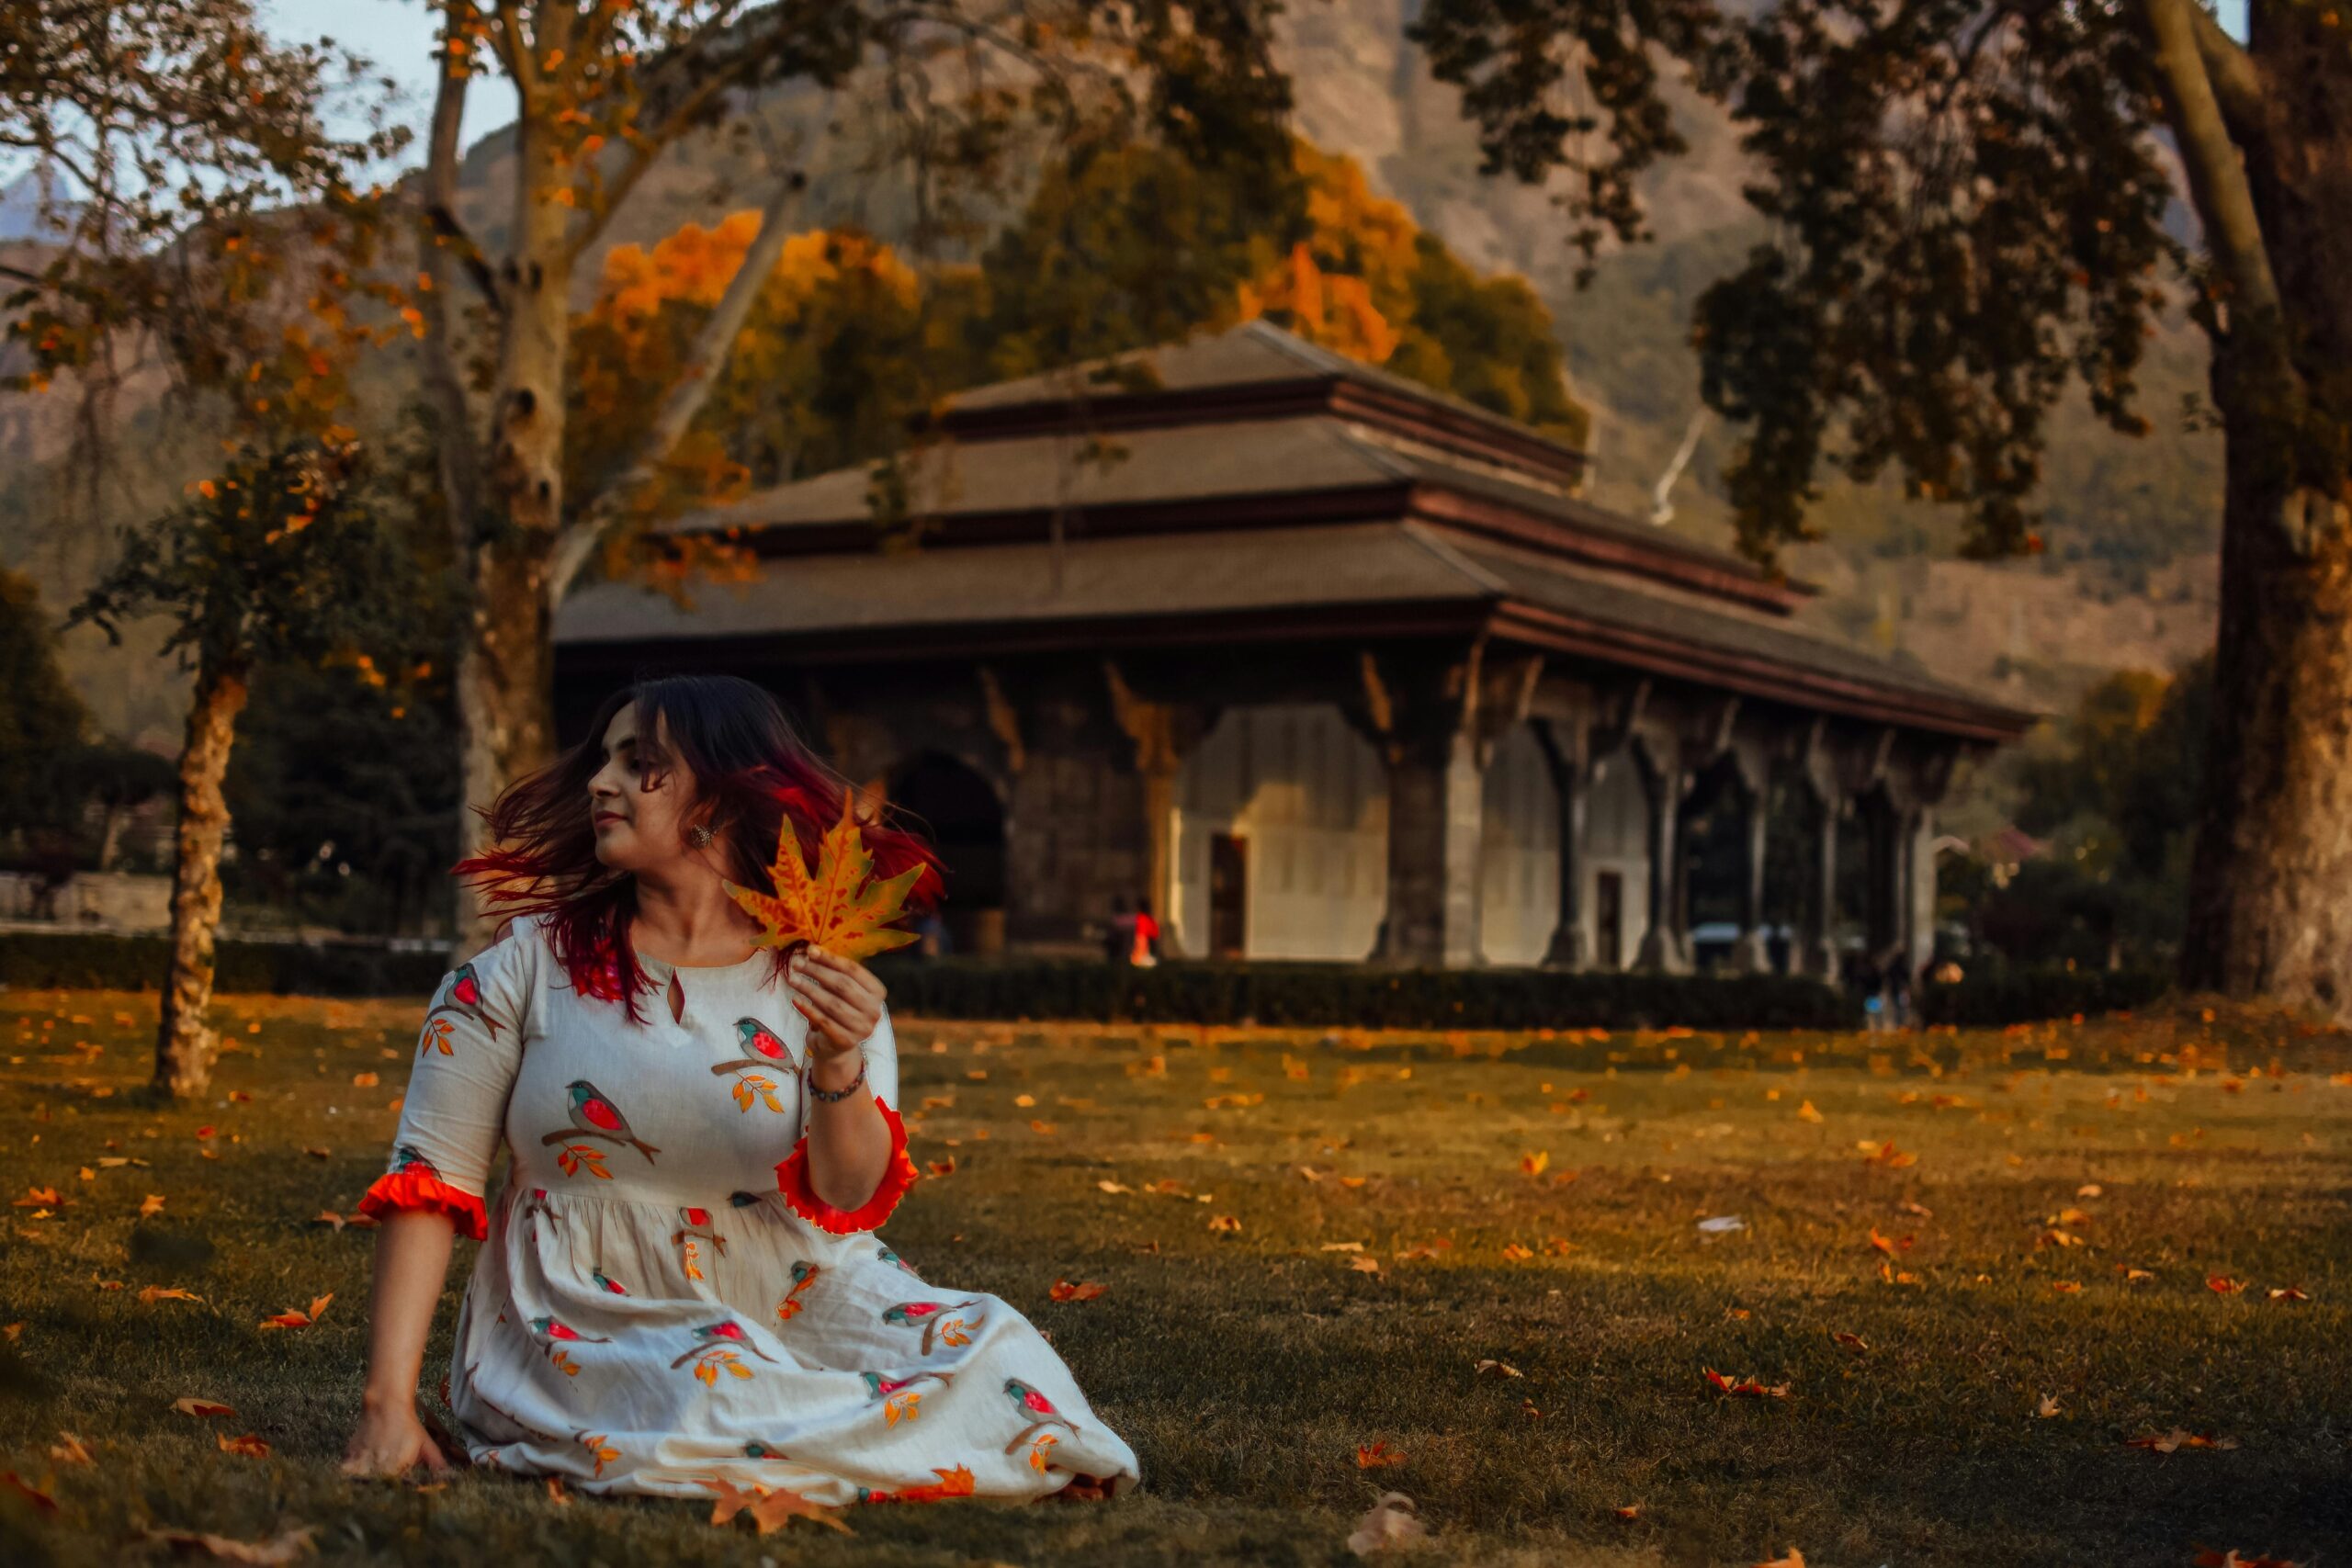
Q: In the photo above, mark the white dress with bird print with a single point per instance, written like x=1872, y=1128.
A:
x=661, y=1302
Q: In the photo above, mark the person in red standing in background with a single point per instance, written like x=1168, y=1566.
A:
x=1146, y=951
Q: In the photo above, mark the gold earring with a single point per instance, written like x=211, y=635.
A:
x=699, y=834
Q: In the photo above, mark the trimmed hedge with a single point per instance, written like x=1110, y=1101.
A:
x=1322, y=996
x=41, y=960
x=1995, y=998
x=1354, y=995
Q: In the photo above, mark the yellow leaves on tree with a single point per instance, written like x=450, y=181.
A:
x=1350, y=287
x=837, y=907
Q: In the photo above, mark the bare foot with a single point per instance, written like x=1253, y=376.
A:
x=1082, y=1489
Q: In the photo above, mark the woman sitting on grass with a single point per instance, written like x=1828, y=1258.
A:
x=680, y=1282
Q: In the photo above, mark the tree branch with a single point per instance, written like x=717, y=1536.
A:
x=460, y=460
x=597, y=515
x=2216, y=176
x=2236, y=75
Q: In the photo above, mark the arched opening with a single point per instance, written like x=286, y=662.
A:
x=1616, y=874
x=1519, y=859
x=1713, y=837
x=957, y=809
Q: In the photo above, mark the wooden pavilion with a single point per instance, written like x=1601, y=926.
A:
x=1322, y=663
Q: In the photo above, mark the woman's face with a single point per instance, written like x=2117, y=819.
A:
x=641, y=828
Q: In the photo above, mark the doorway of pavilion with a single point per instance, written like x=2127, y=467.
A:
x=957, y=809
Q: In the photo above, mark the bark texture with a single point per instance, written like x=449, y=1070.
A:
x=2270, y=910
x=186, y=1043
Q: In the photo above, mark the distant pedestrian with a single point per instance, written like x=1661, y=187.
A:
x=1872, y=987
x=1145, y=951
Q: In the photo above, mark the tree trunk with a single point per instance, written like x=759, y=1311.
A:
x=184, y=1041
x=505, y=692
x=2270, y=894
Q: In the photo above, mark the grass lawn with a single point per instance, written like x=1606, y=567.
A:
x=1937, y=1232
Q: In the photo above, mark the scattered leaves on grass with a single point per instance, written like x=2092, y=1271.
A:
x=1795, y=1559
x=2287, y=1293
x=1364, y=1264
x=1805, y=1112
x=251, y=1445
x=1852, y=1341
x=363, y=1080
x=356, y=1222
x=768, y=1510
x=2222, y=1285
x=1722, y=1225
x=1079, y=1290
x=1377, y=1455
x=2177, y=1438
x=1889, y=1245
x=68, y=1449
x=195, y=1407
x=38, y=1197
x=2066, y=1287
x=2234, y=1559
x=1500, y=1369
x=1749, y=1386
x=295, y=1317
x=1390, y=1523
x=1629, y=1513
x=154, y=1293
x=1224, y=1223
x=271, y=1554
x=1516, y=1253
x=2046, y=1406
x=1535, y=1163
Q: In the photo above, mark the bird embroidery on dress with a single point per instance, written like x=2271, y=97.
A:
x=465, y=999
x=406, y=1159
x=955, y=1482
x=593, y=1116
x=606, y=1283
x=934, y=1321
x=804, y=1273
x=763, y=1047
x=1038, y=1410
x=758, y=1450
x=881, y=1387
x=554, y=1328
x=887, y=1256
x=717, y=1346
x=698, y=1228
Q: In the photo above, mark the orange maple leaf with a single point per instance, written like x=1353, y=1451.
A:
x=769, y=1510
x=1377, y=1455
x=839, y=907
x=1081, y=1291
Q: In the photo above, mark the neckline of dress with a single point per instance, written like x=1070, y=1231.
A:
x=665, y=967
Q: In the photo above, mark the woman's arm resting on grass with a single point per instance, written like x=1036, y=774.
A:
x=413, y=1249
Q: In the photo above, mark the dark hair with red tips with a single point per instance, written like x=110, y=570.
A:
x=752, y=773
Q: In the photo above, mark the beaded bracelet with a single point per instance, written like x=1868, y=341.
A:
x=845, y=1091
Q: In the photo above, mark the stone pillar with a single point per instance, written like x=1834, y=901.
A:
x=1663, y=946
x=1571, y=784
x=1816, y=952
x=1161, y=733
x=1436, y=823
x=1920, y=925
x=1752, y=953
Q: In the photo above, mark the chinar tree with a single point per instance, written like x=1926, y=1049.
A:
x=1968, y=205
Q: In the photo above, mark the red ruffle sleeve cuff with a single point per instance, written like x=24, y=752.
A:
x=792, y=1180
x=416, y=1189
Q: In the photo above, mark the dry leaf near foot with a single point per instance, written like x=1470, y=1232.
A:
x=768, y=1510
